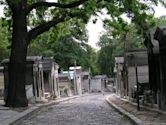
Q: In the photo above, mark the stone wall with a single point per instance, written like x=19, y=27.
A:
x=142, y=77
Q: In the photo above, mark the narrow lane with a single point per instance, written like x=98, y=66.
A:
x=87, y=110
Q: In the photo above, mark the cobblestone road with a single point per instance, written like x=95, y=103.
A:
x=87, y=110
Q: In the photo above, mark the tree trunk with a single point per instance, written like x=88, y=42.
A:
x=163, y=75
x=16, y=95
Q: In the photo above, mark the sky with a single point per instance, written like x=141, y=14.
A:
x=96, y=30
x=1, y=10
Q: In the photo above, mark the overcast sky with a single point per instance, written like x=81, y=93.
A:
x=96, y=30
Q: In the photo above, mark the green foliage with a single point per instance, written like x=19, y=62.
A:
x=161, y=21
x=133, y=39
x=66, y=43
x=73, y=28
x=39, y=18
x=66, y=50
x=105, y=40
x=40, y=46
x=105, y=61
x=139, y=11
x=112, y=47
x=4, y=41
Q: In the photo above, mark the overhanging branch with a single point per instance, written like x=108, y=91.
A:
x=9, y=2
x=32, y=34
x=53, y=4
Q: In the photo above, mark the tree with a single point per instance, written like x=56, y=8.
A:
x=40, y=46
x=161, y=21
x=64, y=10
x=105, y=61
x=112, y=47
x=21, y=38
x=91, y=60
x=66, y=46
x=65, y=50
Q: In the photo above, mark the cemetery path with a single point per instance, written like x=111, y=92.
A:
x=87, y=110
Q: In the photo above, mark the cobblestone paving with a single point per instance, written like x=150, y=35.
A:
x=87, y=110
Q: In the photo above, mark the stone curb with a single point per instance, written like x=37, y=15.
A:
x=144, y=107
x=17, y=118
x=127, y=114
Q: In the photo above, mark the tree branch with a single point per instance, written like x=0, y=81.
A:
x=32, y=34
x=53, y=4
x=10, y=4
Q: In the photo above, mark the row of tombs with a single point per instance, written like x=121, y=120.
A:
x=141, y=73
x=44, y=82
